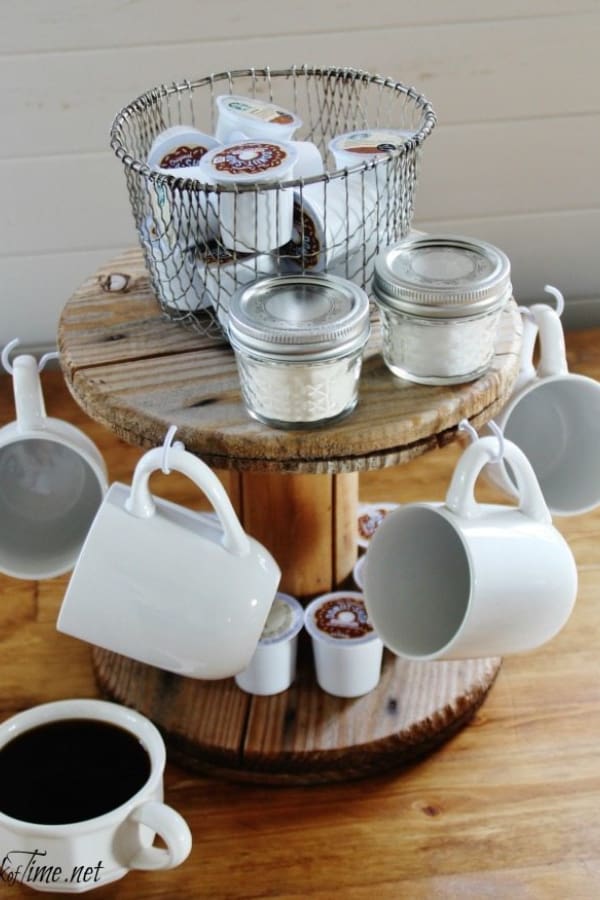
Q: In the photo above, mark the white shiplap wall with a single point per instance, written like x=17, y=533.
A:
x=515, y=157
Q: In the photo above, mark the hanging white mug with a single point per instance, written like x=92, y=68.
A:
x=52, y=480
x=169, y=586
x=553, y=415
x=465, y=579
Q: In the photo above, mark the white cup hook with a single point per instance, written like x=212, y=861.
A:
x=560, y=300
x=465, y=425
x=7, y=350
x=167, y=444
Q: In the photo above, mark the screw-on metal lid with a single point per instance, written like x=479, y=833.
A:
x=299, y=317
x=442, y=276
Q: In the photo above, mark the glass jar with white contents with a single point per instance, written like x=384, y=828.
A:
x=440, y=299
x=298, y=342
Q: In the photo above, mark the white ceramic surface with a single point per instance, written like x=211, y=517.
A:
x=52, y=481
x=344, y=666
x=554, y=417
x=164, y=585
x=462, y=579
x=120, y=840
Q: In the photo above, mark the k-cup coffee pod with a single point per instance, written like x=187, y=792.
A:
x=184, y=214
x=179, y=147
x=201, y=276
x=347, y=651
x=255, y=118
x=272, y=669
x=332, y=225
x=356, y=147
x=369, y=518
x=255, y=214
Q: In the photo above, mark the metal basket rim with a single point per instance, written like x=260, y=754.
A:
x=151, y=96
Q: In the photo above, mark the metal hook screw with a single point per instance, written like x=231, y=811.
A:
x=465, y=425
x=7, y=350
x=167, y=445
x=560, y=300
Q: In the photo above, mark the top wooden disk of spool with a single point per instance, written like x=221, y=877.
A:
x=138, y=373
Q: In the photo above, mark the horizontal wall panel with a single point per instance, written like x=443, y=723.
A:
x=517, y=69
x=558, y=248
x=504, y=168
x=59, y=25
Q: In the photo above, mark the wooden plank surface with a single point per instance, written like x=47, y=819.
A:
x=137, y=373
x=507, y=808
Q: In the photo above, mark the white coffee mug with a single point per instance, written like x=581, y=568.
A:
x=554, y=417
x=77, y=855
x=462, y=579
x=166, y=585
x=52, y=481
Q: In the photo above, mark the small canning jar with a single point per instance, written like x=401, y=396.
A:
x=298, y=342
x=440, y=299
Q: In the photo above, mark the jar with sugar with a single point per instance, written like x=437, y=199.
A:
x=440, y=298
x=298, y=342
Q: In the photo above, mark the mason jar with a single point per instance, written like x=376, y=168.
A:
x=440, y=298
x=298, y=342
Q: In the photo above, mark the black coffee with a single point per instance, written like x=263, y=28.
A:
x=70, y=770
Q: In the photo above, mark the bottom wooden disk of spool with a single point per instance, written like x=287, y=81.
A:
x=303, y=735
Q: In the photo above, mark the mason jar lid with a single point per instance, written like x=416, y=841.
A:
x=442, y=276
x=298, y=317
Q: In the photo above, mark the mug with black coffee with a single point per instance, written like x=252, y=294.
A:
x=81, y=800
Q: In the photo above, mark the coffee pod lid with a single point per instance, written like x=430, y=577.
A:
x=179, y=147
x=371, y=142
x=249, y=161
x=257, y=111
x=301, y=316
x=285, y=619
x=338, y=618
x=442, y=276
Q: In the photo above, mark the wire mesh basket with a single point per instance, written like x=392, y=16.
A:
x=190, y=230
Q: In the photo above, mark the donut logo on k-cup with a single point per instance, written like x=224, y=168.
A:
x=249, y=158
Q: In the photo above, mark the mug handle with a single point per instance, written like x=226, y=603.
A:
x=141, y=504
x=460, y=498
x=170, y=827
x=553, y=354
x=27, y=389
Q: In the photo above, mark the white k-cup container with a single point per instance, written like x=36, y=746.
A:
x=272, y=669
x=346, y=649
x=183, y=214
x=463, y=579
x=255, y=214
x=254, y=118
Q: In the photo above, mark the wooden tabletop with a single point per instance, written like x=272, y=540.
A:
x=509, y=808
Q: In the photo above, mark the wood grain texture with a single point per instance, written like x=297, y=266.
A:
x=508, y=808
x=137, y=373
x=303, y=735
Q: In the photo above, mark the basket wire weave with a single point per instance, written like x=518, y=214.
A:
x=363, y=207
